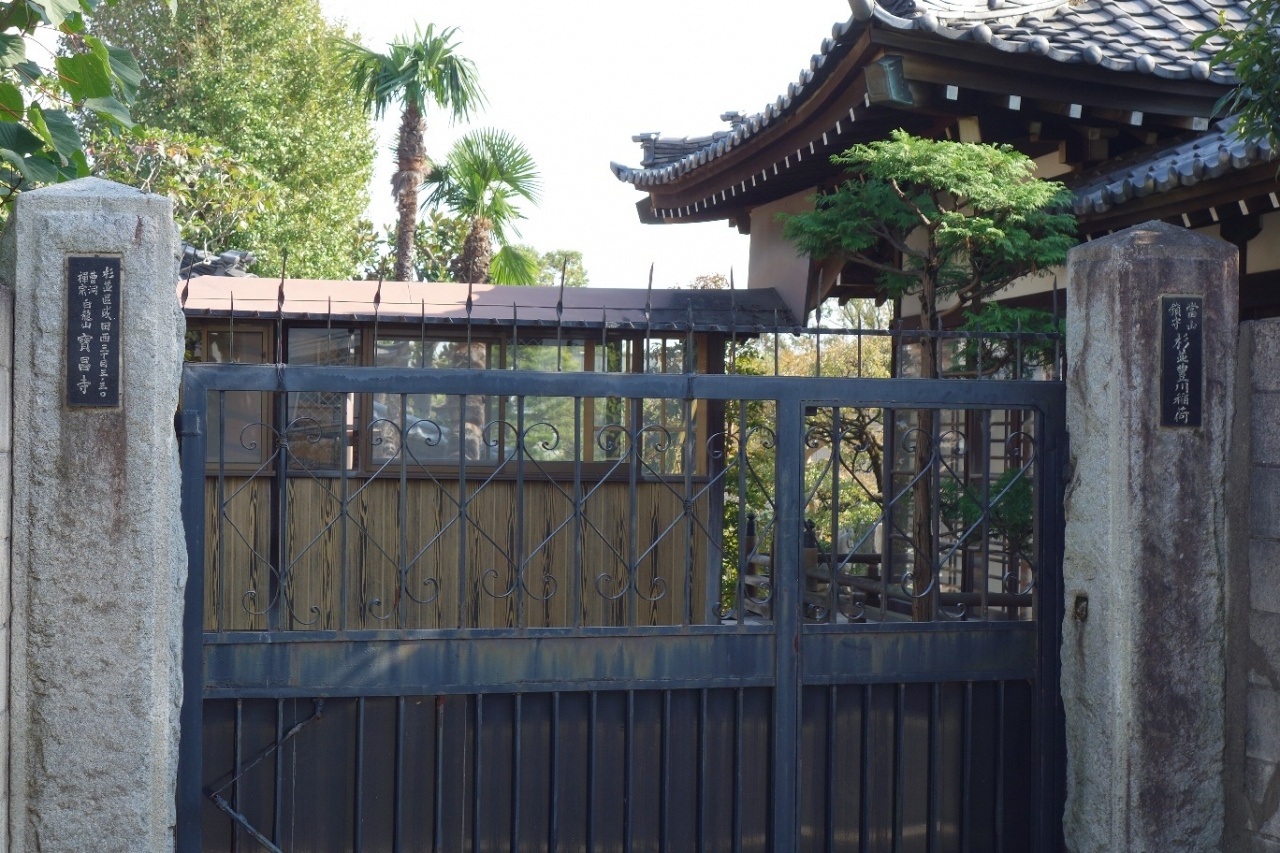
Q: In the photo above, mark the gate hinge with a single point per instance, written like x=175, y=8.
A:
x=186, y=423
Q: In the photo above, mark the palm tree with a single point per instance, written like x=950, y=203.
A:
x=483, y=179
x=413, y=73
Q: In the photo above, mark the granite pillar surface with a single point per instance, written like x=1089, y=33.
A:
x=1146, y=546
x=98, y=560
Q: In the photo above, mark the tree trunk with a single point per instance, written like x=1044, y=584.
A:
x=926, y=548
x=411, y=157
x=477, y=253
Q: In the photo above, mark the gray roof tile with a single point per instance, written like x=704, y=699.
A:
x=1141, y=36
x=1165, y=167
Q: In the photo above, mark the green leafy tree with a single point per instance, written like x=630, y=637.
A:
x=415, y=73
x=966, y=220
x=217, y=196
x=485, y=177
x=43, y=105
x=268, y=87
x=1249, y=43
x=437, y=242
x=567, y=261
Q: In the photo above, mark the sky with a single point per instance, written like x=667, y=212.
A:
x=575, y=80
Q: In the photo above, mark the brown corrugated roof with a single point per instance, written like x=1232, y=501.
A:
x=440, y=302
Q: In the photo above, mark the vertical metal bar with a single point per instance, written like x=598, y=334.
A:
x=859, y=338
x=738, y=748
x=935, y=520
x=278, y=788
x=1017, y=364
x=743, y=556
x=664, y=806
x=591, y=775
x=935, y=763
x=629, y=781
x=831, y=769
x=397, y=829
x=357, y=842
x=786, y=574
x=578, y=510
x=280, y=520
x=515, y=339
x=522, y=450
x=477, y=799
x=345, y=510
x=553, y=823
x=689, y=531
x=633, y=515
x=463, y=502
x=889, y=431
x=985, y=420
x=833, y=553
x=775, y=341
x=235, y=785
x=999, y=766
x=703, y=786
x=402, y=569
x=899, y=765
x=221, y=605
x=437, y=818
x=515, y=773
x=190, y=795
x=966, y=770
x=864, y=787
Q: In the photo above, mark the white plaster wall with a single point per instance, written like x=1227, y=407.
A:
x=774, y=262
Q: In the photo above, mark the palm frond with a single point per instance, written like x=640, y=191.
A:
x=514, y=265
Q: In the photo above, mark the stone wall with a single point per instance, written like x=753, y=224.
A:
x=1253, y=685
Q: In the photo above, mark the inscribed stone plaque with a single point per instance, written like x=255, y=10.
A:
x=1181, y=360
x=93, y=331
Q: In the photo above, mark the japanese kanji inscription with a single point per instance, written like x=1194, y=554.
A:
x=1182, y=360
x=93, y=331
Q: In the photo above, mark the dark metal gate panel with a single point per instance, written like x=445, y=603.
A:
x=811, y=709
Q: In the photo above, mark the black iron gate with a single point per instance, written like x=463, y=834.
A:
x=488, y=610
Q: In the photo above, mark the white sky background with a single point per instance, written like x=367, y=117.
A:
x=575, y=80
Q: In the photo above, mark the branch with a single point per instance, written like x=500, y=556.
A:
x=881, y=267
x=902, y=196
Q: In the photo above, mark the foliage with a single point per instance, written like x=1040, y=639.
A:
x=416, y=73
x=966, y=219
x=1253, y=50
x=1012, y=508
x=438, y=240
x=43, y=105
x=568, y=261
x=268, y=87
x=1037, y=345
x=709, y=281
x=217, y=197
x=485, y=177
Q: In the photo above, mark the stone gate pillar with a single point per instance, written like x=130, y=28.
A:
x=98, y=561
x=1151, y=336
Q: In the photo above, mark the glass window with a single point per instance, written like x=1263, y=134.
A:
x=321, y=423
x=436, y=428
x=243, y=411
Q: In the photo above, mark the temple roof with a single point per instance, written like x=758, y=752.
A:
x=1146, y=37
x=1166, y=167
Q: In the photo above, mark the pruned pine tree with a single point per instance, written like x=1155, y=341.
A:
x=950, y=223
